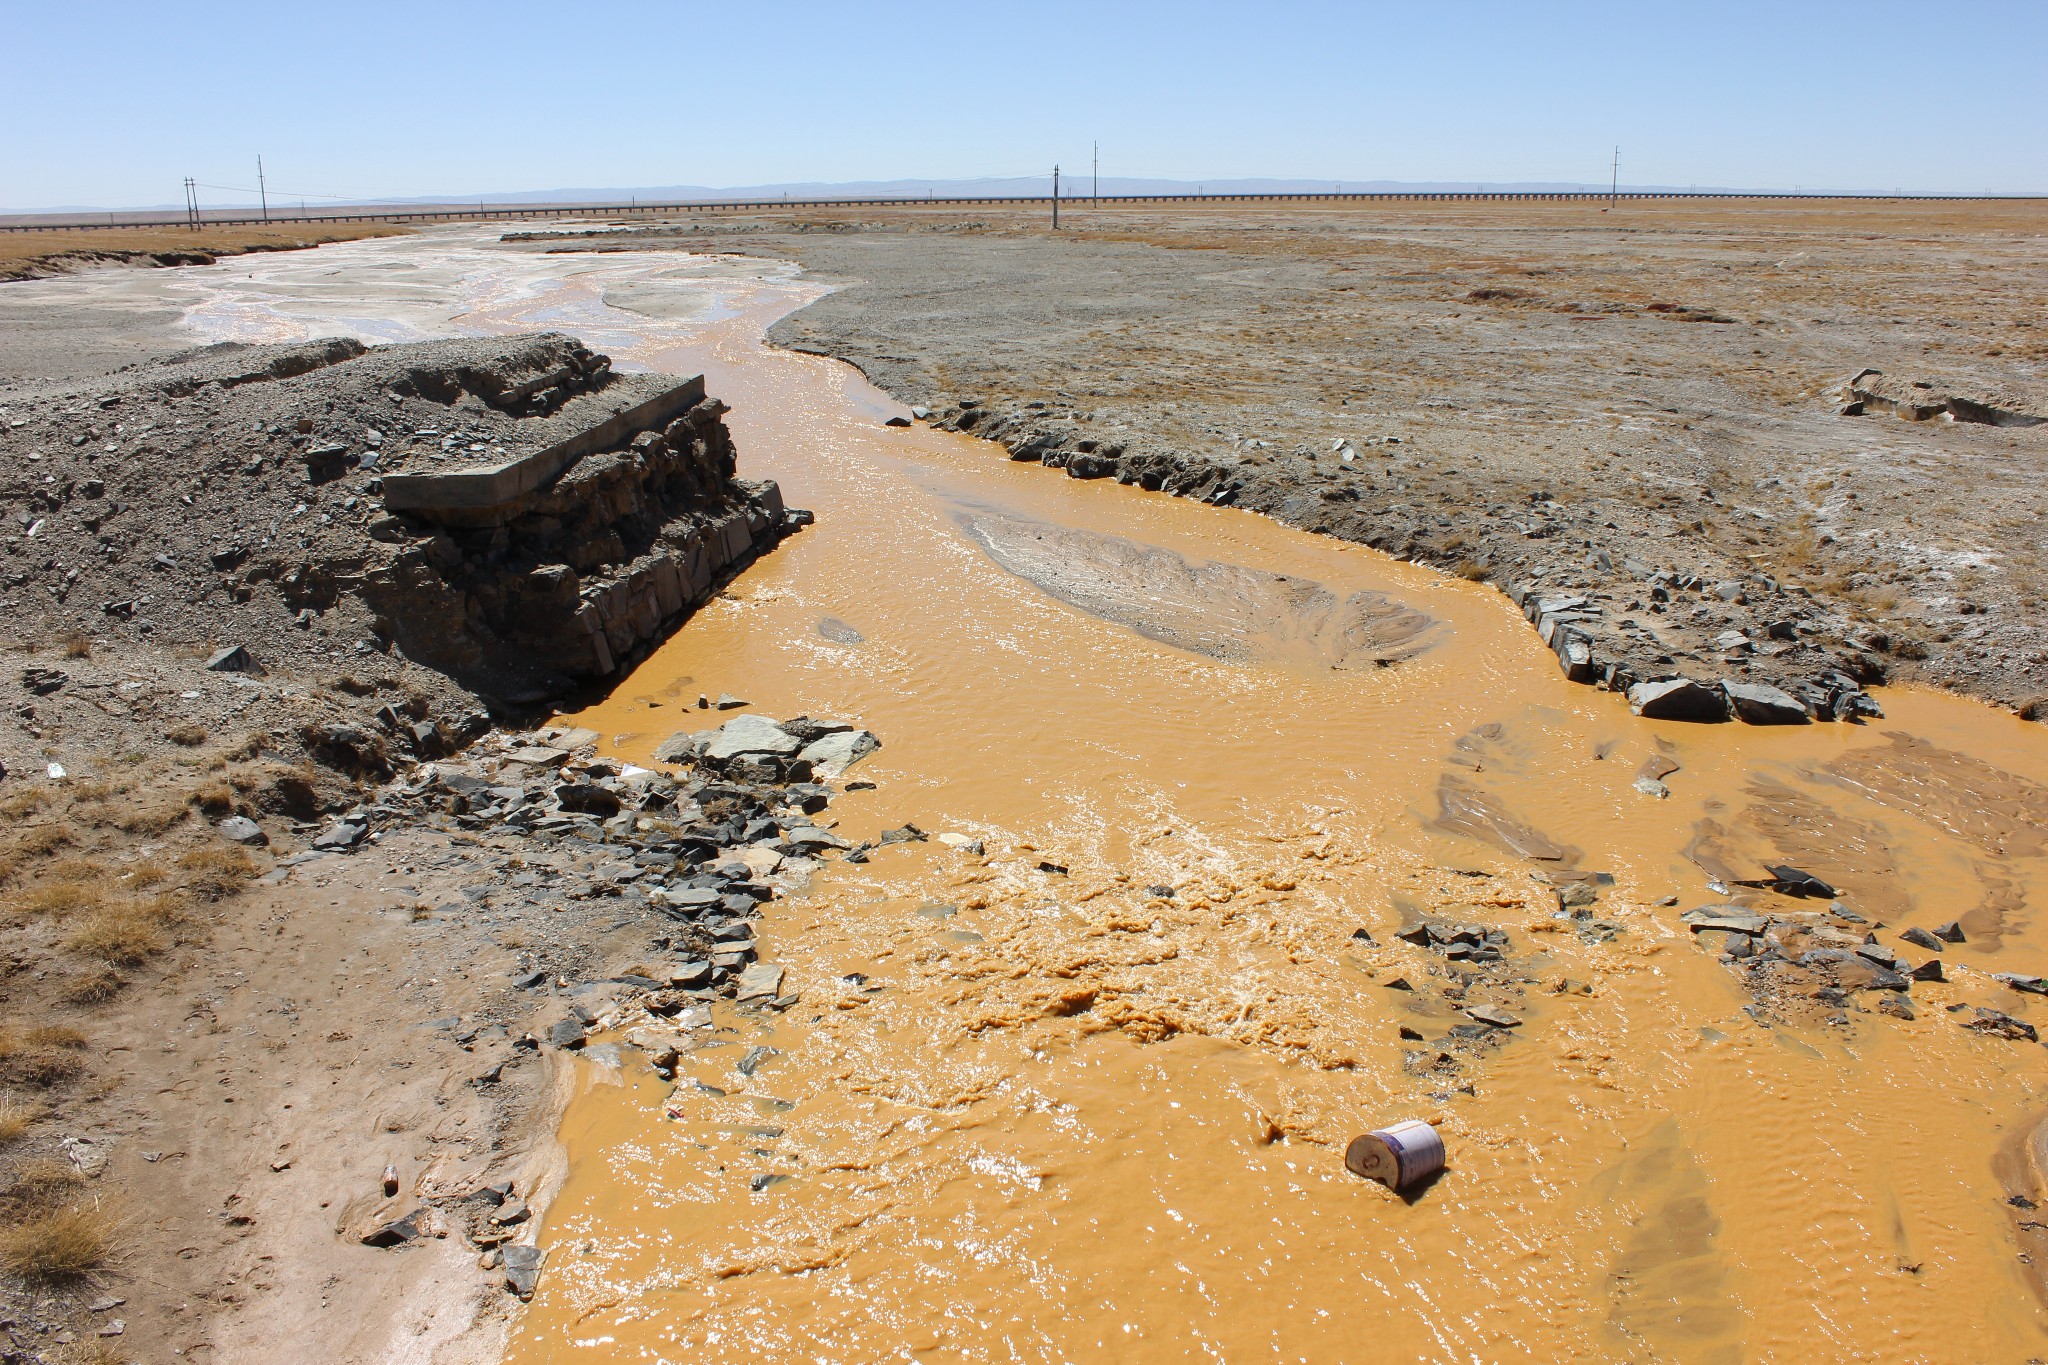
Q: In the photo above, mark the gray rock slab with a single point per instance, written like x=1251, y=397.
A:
x=831, y=755
x=242, y=830
x=1677, y=699
x=751, y=735
x=1760, y=704
x=760, y=981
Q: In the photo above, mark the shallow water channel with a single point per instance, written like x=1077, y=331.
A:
x=1030, y=1115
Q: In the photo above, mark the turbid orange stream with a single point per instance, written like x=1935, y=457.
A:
x=1022, y=1114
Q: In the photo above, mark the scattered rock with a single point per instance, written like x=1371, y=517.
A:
x=233, y=659
x=838, y=632
x=409, y=1228
x=569, y=1033
x=242, y=830
x=2000, y=1025
x=759, y=981
x=832, y=754
x=342, y=835
x=522, y=1270
x=1761, y=704
x=1677, y=699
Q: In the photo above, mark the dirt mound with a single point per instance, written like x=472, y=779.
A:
x=1924, y=400
x=234, y=496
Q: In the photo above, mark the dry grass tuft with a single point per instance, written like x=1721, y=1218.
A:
x=147, y=874
x=24, y=803
x=39, y=841
x=64, y=898
x=128, y=933
x=24, y=1061
x=76, y=645
x=17, y=1118
x=191, y=736
x=150, y=818
x=216, y=872
x=96, y=988
x=59, y=1244
x=92, y=1352
x=216, y=798
x=47, y=1230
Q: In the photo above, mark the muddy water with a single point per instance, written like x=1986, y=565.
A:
x=1023, y=1114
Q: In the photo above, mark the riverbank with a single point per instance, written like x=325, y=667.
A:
x=1641, y=415
x=300, y=920
x=1198, y=844
x=41, y=255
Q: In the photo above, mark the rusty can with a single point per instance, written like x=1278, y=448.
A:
x=1399, y=1155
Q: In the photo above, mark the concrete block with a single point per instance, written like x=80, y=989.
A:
x=465, y=496
x=698, y=570
x=738, y=539
x=668, y=587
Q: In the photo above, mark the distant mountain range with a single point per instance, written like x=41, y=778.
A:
x=1071, y=187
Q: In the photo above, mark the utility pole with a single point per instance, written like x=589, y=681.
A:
x=1055, y=197
x=191, y=203
x=1095, y=174
x=262, y=190
x=1614, y=184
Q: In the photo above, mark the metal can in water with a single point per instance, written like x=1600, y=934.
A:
x=1398, y=1155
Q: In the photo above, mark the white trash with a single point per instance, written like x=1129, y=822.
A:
x=1398, y=1155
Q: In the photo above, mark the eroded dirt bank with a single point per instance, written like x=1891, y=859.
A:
x=1641, y=410
x=300, y=914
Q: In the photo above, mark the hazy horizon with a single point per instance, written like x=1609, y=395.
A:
x=465, y=100
x=1073, y=188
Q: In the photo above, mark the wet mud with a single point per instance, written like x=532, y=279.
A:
x=1224, y=611
x=1280, y=840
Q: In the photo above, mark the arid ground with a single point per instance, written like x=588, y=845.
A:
x=1191, y=773
x=1601, y=396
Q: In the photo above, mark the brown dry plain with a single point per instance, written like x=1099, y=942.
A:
x=1513, y=350
x=39, y=255
x=1597, y=395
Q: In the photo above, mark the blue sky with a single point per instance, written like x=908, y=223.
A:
x=114, y=103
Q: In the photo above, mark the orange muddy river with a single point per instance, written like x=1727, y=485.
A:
x=1027, y=1115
